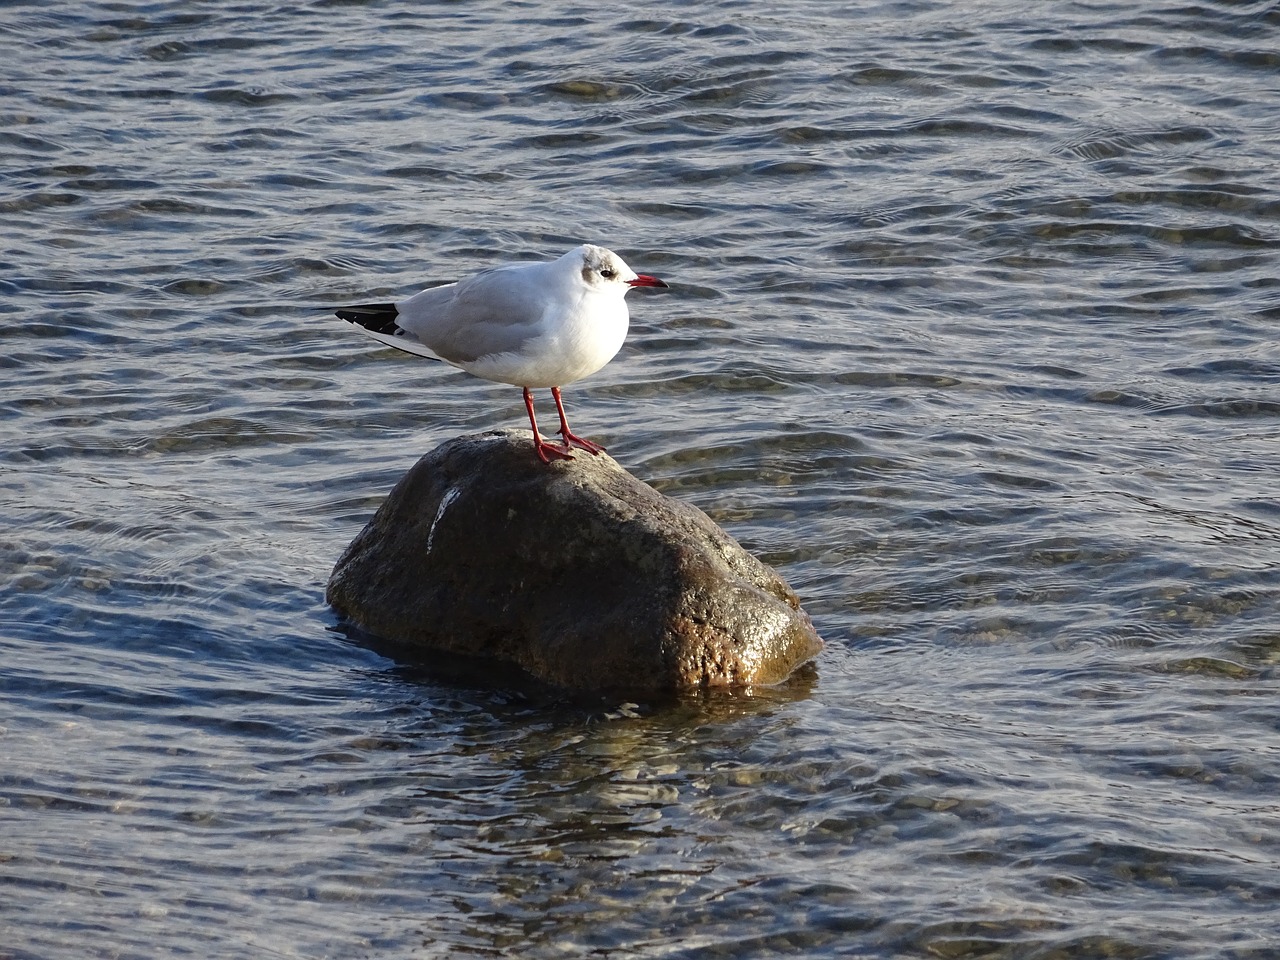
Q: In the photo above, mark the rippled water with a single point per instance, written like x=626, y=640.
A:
x=972, y=334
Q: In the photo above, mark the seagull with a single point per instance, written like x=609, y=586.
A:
x=541, y=324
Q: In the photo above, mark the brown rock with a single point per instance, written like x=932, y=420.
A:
x=575, y=572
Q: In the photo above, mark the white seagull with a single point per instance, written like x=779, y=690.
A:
x=539, y=324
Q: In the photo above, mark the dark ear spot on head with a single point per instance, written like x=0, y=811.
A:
x=586, y=273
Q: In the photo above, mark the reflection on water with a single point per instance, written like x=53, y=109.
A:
x=971, y=336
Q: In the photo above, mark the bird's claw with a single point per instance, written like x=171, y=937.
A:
x=572, y=440
x=549, y=451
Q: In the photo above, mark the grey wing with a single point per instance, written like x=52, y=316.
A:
x=497, y=311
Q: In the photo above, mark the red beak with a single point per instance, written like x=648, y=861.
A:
x=645, y=281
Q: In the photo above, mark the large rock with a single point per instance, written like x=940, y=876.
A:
x=575, y=572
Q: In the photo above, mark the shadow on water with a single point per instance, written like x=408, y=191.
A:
x=508, y=688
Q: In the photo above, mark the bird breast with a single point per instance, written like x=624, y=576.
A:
x=565, y=348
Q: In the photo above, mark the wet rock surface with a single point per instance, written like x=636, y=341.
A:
x=577, y=573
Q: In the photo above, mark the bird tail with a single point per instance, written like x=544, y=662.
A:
x=374, y=317
x=378, y=320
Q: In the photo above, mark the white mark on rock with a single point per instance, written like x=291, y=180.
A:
x=447, y=499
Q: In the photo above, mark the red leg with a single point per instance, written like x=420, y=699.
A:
x=543, y=449
x=571, y=440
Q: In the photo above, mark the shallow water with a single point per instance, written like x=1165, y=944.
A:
x=972, y=334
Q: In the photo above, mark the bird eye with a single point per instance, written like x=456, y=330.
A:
x=608, y=273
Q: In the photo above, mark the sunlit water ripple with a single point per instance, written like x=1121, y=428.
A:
x=972, y=334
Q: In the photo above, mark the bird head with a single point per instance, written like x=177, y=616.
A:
x=604, y=270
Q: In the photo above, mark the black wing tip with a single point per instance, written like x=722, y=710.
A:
x=378, y=317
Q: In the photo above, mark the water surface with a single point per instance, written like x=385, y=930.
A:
x=972, y=334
